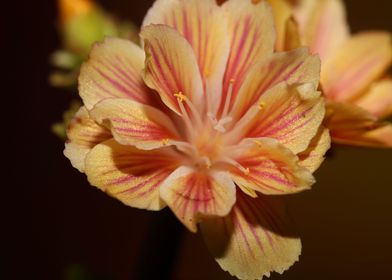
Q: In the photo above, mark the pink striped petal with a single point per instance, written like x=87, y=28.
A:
x=253, y=37
x=171, y=67
x=268, y=167
x=290, y=114
x=83, y=134
x=296, y=66
x=203, y=24
x=130, y=175
x=359, y=62
x=349, y=124
x=255, y=239
x=323, y=25
x=378, y=100
x=133, y=123
x=314, y=155
x=193, y=194
x=113, y=70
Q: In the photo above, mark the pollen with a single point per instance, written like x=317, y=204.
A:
x=232, y=81
x=180, y=96
x=261, y=105
x=165, y=142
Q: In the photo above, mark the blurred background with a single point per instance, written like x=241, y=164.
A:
x=62, y=228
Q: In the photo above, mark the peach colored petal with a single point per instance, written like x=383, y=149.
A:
x=292, y=67
x=314, y=155
x=378, y=100
x=268, y=167
x=113, y=70
x=289, y=114
x=203, y=24
x=193, y=194
x=130, y=175
x=352, y=68
x=255, y=239
x=83, y=134
x=322, y=25
x=282, y=14
x=253, y=38
x=133, y=123
x=171, y=67
x=349, y=124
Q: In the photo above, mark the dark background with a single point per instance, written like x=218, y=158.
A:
x=58, y=227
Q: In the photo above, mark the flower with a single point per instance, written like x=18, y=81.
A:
x=208, y=121
x=353, y=73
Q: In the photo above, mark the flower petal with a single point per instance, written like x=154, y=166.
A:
x=113, y=70
x=254, y=239
x=289, y=114
x=352, y=125
x=268, y=167
x=252, y=26
x=83, y=134
x=323, y=25
x=203, y=24
x=296, y=66
x=171, y=66
x=133, y=123
x=313, y=156
x=356, y=64
x=130, y=175
x=192, y=195
x=378, y=100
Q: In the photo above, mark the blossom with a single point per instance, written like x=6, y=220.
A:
x=208, y=121
x=353, y=73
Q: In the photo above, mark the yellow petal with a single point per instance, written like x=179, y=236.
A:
x=113, y=70
x=323, y=25
x=349, y=124
x=282, y=13
x=313, y=156
x=130, y=175
x=290, y=114
x=251, y=25
x=83, y=134
x=268, y=167
x=73, y=8
x=203, y=24
x=193, y=195
x=292, y=67
x=378, y=100
x=133, y=123
x=356, y=65
x=171, y=67
x=255, y=239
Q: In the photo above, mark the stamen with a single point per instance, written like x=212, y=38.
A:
x=228, y=98
x=185, y=147
x=207, y=162
x=165, y=141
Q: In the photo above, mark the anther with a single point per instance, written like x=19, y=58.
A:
x=165, y=141
x=246, y=171
x=180, y=96
x=261, y=105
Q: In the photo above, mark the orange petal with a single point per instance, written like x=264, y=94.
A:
x=313, y=156
x=192, y=195
x=290, y=114
x=378, y=100
x=171, y=66
x=251, y=24
x=130, y=175
x=113, y=70
x=292, y=67
x=133, y=123
x=352, y=125
x=268, y=167
x=323, y=25
x=356, y=65
x=203, y=24
x=83, y=134
x=254, y=240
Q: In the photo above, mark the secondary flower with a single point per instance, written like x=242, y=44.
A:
x=209, y=121
x=353, y=73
